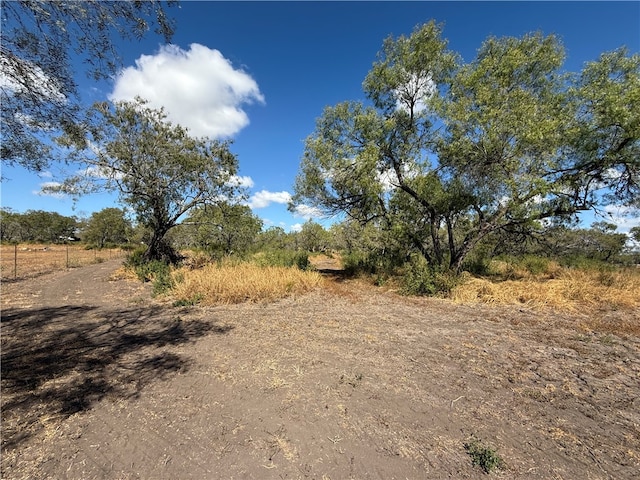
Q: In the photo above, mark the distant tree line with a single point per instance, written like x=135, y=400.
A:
x=233, y=230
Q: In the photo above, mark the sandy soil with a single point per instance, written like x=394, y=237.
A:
x=101, y=381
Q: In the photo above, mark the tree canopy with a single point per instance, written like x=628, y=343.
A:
x=42, y=44
x=446, y=153
x=223, y=229
x=160, y=171
x=108, y=226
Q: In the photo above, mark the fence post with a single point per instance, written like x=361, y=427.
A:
x=15, y=261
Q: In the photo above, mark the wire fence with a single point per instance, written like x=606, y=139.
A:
x=26, y=261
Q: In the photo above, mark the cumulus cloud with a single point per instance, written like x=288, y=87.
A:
x=199, y=89
x=238, y=181
x=308, y=212
x=264, y=198
x=296, y=227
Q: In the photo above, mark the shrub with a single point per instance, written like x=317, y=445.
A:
x=420, y=278
x=482, y=456
x=136, y=257
x=154, y=271
x=535, y=265
x=369, y=263
x=283, y=258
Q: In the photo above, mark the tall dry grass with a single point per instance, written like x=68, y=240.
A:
x=587, y=292
x=216, y=284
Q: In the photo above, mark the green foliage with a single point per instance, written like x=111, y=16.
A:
x=158, y=169
x=107, y=227
x=421, y=278
x=534, y=265
x=274, y=238
x=36, y=226
x=284, y=258
x=448, y=154
x=477, y=265
x=358, y=262
x=155, y=271
x=313, y=237
x=484, y=457
x=222, y=230
x=136, y=257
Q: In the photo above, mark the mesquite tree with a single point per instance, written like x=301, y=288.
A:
x=159, y=170
x=446, y=154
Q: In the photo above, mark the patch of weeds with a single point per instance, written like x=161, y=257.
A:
x=284, y=258
x=482, y=456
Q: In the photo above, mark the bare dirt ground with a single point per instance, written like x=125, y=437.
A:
x=101, y=381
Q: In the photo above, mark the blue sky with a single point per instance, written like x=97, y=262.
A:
x=260, y=73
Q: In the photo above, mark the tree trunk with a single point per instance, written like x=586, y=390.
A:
x=159, y=249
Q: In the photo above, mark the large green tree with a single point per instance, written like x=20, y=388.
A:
x=43, y=45
x=445, y=154
x=109, y=225
x=159, y=170
x=224, y=229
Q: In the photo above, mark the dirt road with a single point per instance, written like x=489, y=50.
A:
x=100, y=381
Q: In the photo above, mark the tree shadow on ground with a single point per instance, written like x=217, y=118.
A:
x=59, y=361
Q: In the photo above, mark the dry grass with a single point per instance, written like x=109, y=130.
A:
x=36, y=259
x=243, y=282
x=588, y=292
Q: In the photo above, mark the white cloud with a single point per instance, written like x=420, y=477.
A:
x=238, y=181
x=308, y=212
x=624, y=217
x=265, y=198
x=45, y=174
x=198, y=88
x=296, y=227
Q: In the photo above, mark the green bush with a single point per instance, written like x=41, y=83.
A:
x=154, y=271
x=420, y=278
x=284, y=258
x=136, y=257
x=483, y=457
x=302, y=261
x=478, y=265
x=370, y=263
x=586, y=263
x=535, y=265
